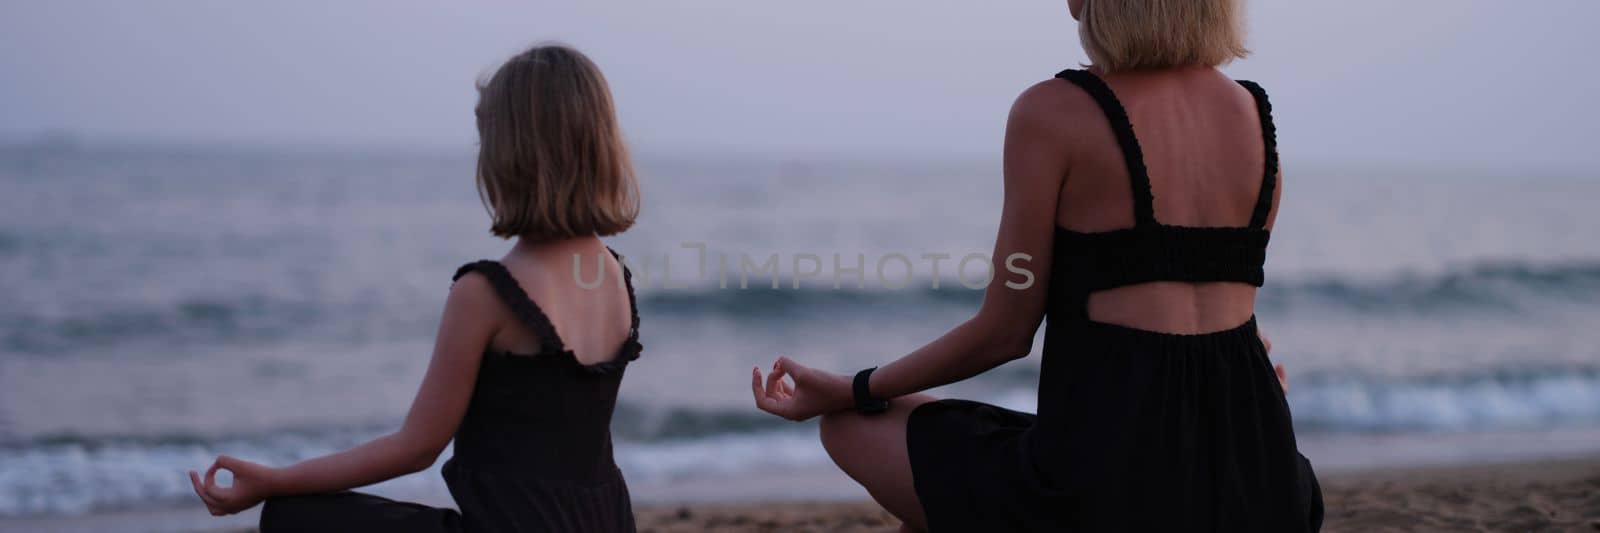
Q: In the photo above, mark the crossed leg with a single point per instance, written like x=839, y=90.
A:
x=872, y=450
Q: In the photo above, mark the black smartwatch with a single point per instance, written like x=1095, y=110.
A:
x=865, y=403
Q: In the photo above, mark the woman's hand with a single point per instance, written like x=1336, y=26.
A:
x=1283, y=375
x=250, y=485
x=814, y=392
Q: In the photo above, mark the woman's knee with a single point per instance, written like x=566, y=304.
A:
x=835, y=430
x=842, y=430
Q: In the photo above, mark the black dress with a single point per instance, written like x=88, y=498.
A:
x=533, y=452
x=1136, y=430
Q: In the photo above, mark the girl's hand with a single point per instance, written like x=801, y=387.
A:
x=250, y=486
x=814, y=392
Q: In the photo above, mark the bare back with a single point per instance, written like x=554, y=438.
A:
x=591, y=320
x=1202, y=145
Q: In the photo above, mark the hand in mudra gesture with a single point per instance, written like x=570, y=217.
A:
x=814, y=392
x=250, y=485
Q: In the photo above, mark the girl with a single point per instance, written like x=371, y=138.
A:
x=1158, y=407
x=526, y=389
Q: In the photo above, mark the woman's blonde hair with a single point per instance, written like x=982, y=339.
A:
x=1153, y=34
x=551, y=161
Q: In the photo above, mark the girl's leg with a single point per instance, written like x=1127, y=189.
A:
x=872, y=450
x=354, y=511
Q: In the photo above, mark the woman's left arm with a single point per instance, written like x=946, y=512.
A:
x=464, y=331
x=1036, y=164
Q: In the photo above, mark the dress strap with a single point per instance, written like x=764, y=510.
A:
x=521, y=305
x=1132, y=154
x=1269, y=139
x=633, y=302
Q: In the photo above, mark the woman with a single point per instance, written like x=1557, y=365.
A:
x=1158, y=407
x=528, y=361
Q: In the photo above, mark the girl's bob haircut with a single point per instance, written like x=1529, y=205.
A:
x=551, y=161
x=1158, y=34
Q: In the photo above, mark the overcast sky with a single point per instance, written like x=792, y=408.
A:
x=1410, y=81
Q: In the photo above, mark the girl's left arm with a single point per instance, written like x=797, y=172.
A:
x=464, y=331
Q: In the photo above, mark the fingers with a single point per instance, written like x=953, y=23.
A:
x=227, y=462
x=223, y=501
x=775, y=381
x=788, y=366
x=766, y=400
x=1283, y=377
x=199, y=490
x=211, y=473
x=217, y=496
x=762, y=401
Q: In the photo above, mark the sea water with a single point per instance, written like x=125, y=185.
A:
x=160, y=305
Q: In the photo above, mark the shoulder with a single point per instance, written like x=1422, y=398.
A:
x=1252, y=96
x=1054, y=105
x=473, y=289
x=1253, y=89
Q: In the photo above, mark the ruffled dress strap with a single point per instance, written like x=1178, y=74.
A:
x=1144, y=213
x=1269, y=139
x=631, y=347
x=526, y=311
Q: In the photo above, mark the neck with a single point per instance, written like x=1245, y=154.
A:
x=574, y=244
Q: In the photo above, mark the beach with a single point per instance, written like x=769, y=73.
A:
x=222, y=242
x=1553, y=495
x=1557, y=495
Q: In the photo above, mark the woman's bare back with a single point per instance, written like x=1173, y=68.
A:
x=1202, y=143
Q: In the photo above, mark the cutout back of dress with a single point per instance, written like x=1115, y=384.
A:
x=1150, y=251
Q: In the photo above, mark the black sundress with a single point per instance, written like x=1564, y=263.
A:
x=1136, y=430
x=533, y=452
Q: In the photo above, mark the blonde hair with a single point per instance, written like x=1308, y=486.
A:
x=551, y=161
x=1154, y=34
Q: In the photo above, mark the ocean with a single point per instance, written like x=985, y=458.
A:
x=162, y=304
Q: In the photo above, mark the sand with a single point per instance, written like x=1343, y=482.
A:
x=1550, y=495
x=1559, y=496
x=1546, y=496
x=797, y=517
